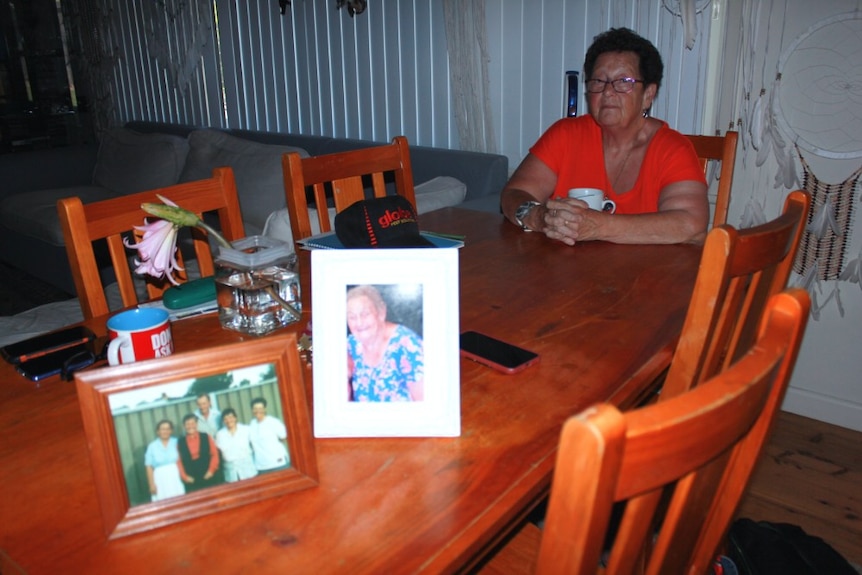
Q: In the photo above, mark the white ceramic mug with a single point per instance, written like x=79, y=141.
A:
x=595, y=198
x=139, y=334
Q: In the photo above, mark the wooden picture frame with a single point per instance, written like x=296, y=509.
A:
x=419, y=282
x=274, y=359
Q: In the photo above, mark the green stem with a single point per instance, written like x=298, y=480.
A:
x=216, y=235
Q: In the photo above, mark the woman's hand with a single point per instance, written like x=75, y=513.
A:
x=569, y=220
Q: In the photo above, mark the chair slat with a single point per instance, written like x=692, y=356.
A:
x=345, y=174
x=723, y=149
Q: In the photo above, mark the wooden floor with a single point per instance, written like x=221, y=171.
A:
x=810, y=475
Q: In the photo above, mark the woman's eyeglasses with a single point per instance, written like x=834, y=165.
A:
x=621, y=85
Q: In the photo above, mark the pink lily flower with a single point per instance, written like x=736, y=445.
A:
x=158, y=247
x=157, y=250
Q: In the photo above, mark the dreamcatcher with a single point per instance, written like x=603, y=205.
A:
x=818, y=104
x=819, y=99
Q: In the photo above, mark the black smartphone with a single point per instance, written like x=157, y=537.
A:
x=496, y=354
x=67, y=358
x=46, y=344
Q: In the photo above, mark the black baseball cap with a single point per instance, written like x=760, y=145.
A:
x=387, y=222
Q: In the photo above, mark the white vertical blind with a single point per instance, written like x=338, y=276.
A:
x=315, y=70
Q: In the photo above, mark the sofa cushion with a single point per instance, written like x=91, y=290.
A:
x=434, y=194
x=278, y=225
x=34, y=214
x=256, y=167
x=130, y=162
x=440, y=192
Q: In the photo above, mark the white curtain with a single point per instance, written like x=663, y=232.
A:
x=467, y=44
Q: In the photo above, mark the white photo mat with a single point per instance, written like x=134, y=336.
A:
x=436, y=271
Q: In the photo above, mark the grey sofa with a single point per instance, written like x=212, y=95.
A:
x=147, y=155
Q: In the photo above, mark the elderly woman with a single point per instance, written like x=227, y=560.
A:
x=386, y=358
x=160, y=460
x=650, y=171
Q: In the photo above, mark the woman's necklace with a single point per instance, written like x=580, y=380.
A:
x=621, y=168
x=641, y=138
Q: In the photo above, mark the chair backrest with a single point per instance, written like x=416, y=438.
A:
x=680, y=466
x=739, y=271
x=113, y=218
x=346, y=174
x=723, y=149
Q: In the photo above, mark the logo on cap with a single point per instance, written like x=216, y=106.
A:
x=389, y=221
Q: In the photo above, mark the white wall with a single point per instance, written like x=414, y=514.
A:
x=827, y=382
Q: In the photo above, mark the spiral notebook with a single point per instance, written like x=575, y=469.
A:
x=329, y=241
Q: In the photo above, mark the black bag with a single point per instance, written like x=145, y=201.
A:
x=764, y=548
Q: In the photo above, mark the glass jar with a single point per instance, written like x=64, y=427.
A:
x=250, y=280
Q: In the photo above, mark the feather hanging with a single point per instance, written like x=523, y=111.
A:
x=815, y=307
x=763, y=152
x=689, y=21
x=853, y=271
x=808, y=281
x=791, y=179
x=753, y=214
x=743, y=125
x=824, y=220
x=756, y=123
x=838, y=302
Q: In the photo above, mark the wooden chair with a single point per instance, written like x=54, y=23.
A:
x=739, y=271
x=680, y=466
x=723, y=149
x=345, y=174
x=110, y=219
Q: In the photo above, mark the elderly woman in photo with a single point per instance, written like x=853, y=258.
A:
x=234, y=441
x=385, y=359
x=650, y=171
x=160, y=460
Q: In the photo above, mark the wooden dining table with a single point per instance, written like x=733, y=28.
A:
x=603, y=317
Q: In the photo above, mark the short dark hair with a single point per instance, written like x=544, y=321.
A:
x=189, y=416
x=228, y=411
x=162, y=422
x=625, y=40
x=258, y=400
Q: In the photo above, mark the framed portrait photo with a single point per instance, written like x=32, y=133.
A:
x=385, y=332
x=193, y=433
